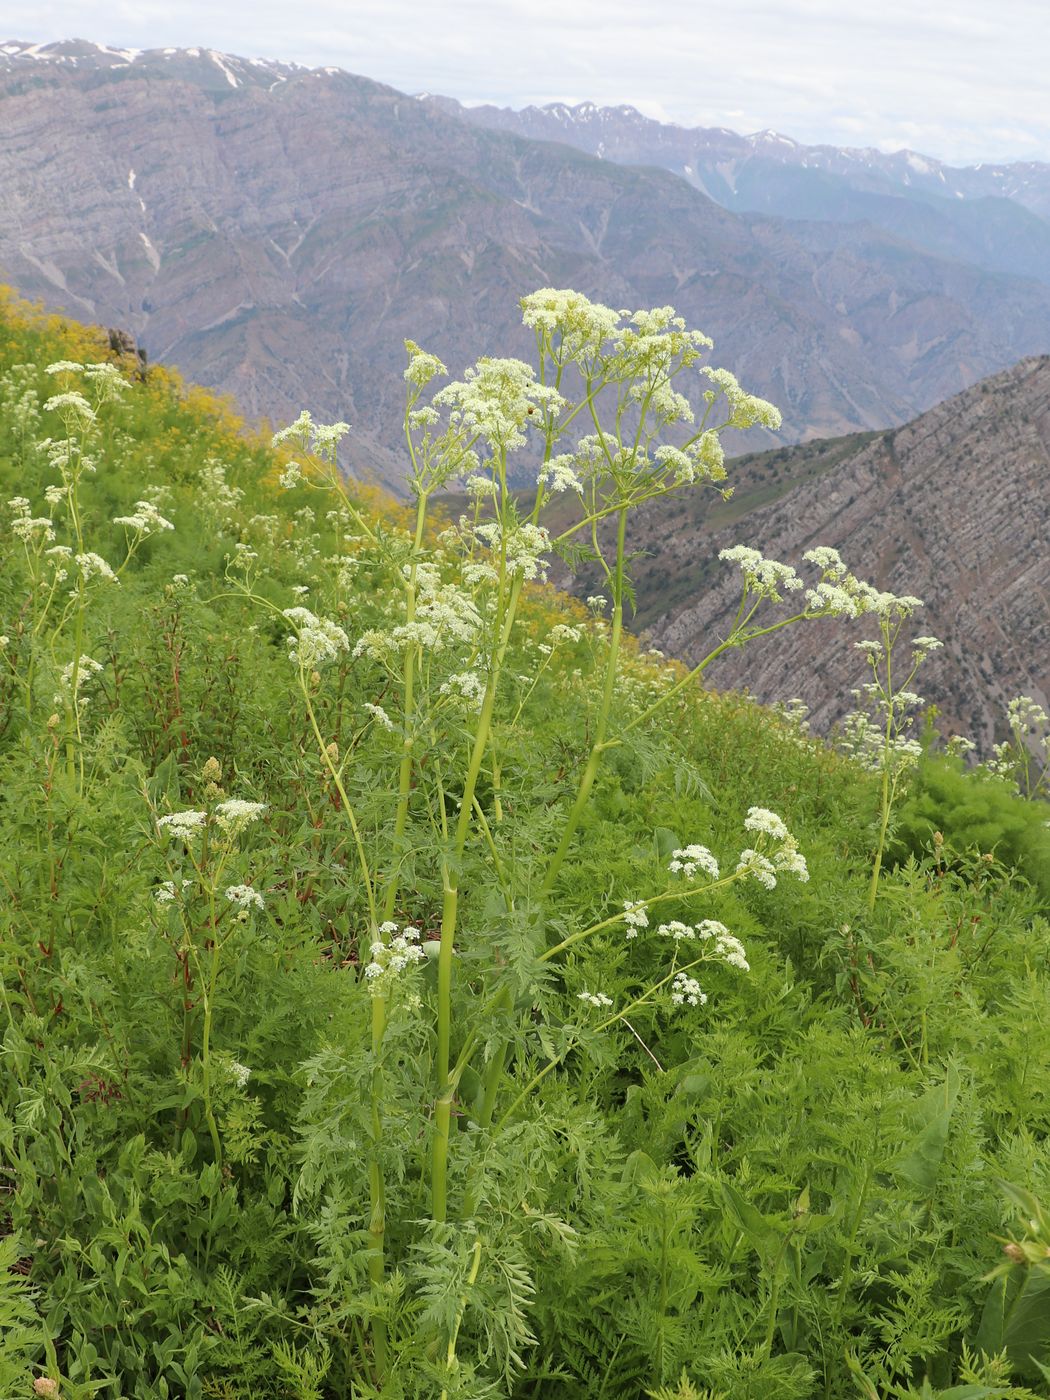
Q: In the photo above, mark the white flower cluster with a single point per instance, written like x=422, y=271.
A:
x=392, y=952
x=582, y=325
x=35, y=530
x=58, y=556
x=958, y=746
x=559, y=474
x=183, y=826
x=690, y=859
x=445, y=615
x=422, y=367
x=702, y=460
x=379, y=715
x=1024, y=715
x=320, y=438
x=231, y=816
x=524, y=546
x=214, y=492
x=838, y=593
x=786, y=859
x=467, y=686
x=146, y=519
x=724, y=945
x=762, y=819
x=745, y=410
x=244, y=897
x=317, y=640
x=765, y=577
x=652, y=346
x=866, y=742
x=94, y=566
x=239, y=1074
x=635, y=917
x=563, y=632
x=236, y=813
x=72, y=407
x=167, y=891
x=480, y=488
x=598, y=999
x=686, y=991
x=70, y=690
x=496, y=400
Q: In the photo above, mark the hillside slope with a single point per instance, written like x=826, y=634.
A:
x=954, y=507
x=408, y=988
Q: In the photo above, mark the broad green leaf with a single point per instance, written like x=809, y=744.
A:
x=921, y=1162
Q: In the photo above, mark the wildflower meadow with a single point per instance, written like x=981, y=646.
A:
x=412, y=988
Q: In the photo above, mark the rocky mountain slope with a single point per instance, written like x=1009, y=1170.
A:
x=953, y=507
x=277, y=231
x=995, y=216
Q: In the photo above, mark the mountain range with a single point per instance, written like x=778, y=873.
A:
x=994, y=216
x=276, y=232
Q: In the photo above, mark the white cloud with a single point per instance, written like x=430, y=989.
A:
x=957, y=79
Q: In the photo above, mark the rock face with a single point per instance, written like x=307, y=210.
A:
x=277, y=231
x=953, y=507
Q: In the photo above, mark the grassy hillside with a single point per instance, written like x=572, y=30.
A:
x=410, y=990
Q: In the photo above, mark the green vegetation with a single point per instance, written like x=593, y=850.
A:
x=410, y=990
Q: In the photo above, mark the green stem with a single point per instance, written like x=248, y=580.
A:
x=538, y=1078
x=376, y=1185
x=590, y=772
x=873, y=887
x=443, y=1105
x=472, y=1278
x=445, y=1083
x=209, y=1003
x=327, y=760
x=404, y=783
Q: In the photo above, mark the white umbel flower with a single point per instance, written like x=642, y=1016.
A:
x=690, y=859
x=183, y=826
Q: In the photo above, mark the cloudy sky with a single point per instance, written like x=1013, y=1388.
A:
x=963, y=80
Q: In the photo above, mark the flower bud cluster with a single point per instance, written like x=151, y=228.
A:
x=392, y=952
